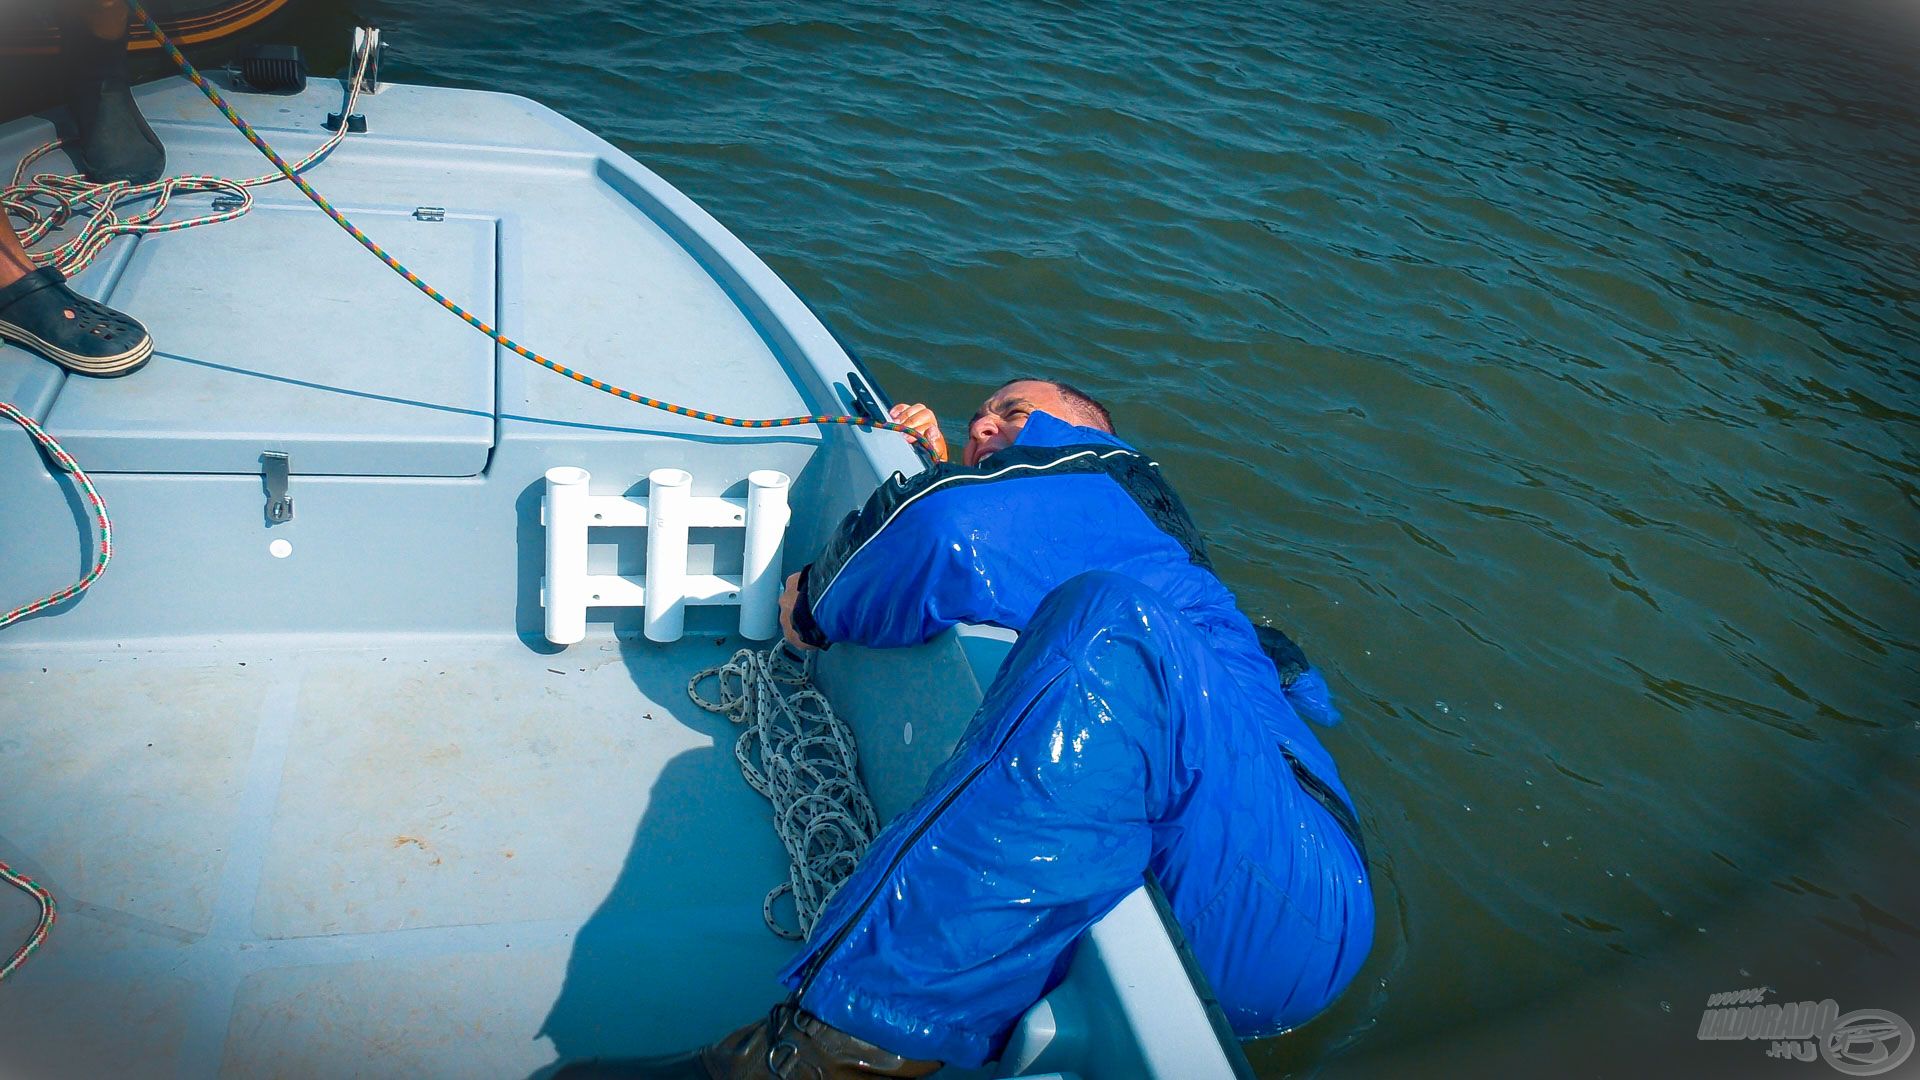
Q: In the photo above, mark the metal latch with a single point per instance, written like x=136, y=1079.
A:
x=429, y=213
x=273, y=470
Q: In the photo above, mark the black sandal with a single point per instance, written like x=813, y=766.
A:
x=84, y=336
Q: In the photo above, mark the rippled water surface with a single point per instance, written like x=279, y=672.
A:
x=1547, y=368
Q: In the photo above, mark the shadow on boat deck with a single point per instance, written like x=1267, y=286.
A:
x=677, y=954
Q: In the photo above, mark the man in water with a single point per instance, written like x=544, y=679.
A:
x=110, y=142
x=1138, y=726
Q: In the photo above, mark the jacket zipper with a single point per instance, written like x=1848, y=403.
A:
x=820, y=958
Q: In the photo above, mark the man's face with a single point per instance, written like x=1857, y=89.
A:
x=1000, y=419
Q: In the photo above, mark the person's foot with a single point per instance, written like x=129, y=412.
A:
x=84, y=336
x=112, y=140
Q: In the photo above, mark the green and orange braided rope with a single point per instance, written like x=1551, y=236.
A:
x=319, y=200
x=39, y=935
x=100, y=519
x=105, y=525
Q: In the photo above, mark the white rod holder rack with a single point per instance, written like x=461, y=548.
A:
x=667, y=512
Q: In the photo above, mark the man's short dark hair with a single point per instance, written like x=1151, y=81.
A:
x=1089, y=412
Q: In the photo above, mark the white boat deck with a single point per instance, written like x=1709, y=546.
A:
x=425, y=858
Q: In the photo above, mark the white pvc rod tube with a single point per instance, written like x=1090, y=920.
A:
x=566, y=590
x=668, y=494
x=766, y=529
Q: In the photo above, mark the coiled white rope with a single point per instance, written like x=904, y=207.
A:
x=801, y=756
x=46, y=202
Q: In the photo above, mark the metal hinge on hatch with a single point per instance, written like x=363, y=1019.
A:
x=273, y=471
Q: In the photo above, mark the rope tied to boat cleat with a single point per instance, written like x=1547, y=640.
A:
x=193, y=75
x=798, y=754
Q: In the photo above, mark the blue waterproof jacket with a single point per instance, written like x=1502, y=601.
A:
x=1138, y=726
x=986, y=543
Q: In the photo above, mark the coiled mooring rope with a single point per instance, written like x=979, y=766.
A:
x=802, y=757
x=48, y=201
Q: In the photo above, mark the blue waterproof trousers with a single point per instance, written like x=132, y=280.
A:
x=1112, y=742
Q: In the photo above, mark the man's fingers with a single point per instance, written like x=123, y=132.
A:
x=919, y=416
x=924, y=423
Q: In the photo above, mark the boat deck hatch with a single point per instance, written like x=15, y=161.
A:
x=276, y=332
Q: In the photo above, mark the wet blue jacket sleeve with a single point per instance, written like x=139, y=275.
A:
x=902, y=585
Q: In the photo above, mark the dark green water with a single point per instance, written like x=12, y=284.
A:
x=1548, y=369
